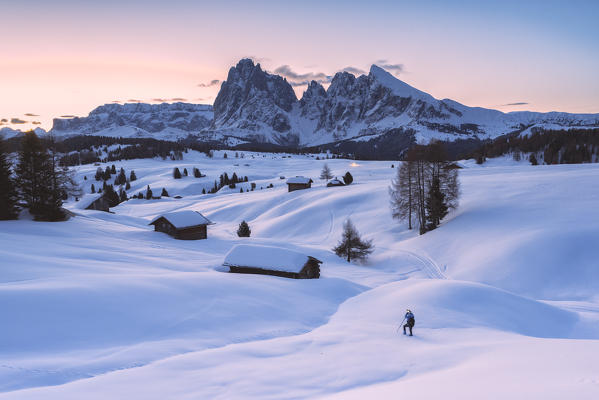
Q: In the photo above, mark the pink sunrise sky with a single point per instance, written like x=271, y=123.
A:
x=68, y=57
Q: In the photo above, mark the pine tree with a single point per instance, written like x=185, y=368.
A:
x=8, y=188
x=225, y=155
x=111, y=196
x=197, y=173
x=244, y=230
x=99, y=174
x=436, y=209
x=164, y=193
x=403, y=193
x=107, y=174
x=185, y=172
x=113, y=170
x=121, y=178
x=132, y=176
x=93, y=188
x=148, y=193
x=203, y=190
x=348, y=178
x=326, y=173
x=32, y=174
x=351, y=246
x=123, y=195
x=176, y=173
x=127, y=186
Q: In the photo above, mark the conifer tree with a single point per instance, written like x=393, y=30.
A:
x=176, y=173
x=351, y=246
x=113, y=170
x=164, y=193
x=93, y=188
x=8, y=188
x=326, y=173
x=123, y=195
x=203, y=190
x=197, y=173
x=436, y=209
x=244, y=230
x=148, y=193
x=111, y=196
x=132, y=176
x=121, y=178
x=127, y=186
x=185, y=172
x=32, y=174
x=99, y=174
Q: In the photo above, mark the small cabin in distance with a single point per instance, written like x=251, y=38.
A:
x=335, y=182
x=93, y=201
x=299, y=183
x=270, y=260
x=184, y=225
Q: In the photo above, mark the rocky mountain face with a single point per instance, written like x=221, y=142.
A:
x=375, y=110
x=162, y=121
x=254, y=102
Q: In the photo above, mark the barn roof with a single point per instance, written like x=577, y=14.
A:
x=299, y=179
x=266, y=257
x=336, y=181
x=184, y=219
x=86, y=200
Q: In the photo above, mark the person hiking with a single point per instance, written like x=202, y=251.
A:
x=410, y=321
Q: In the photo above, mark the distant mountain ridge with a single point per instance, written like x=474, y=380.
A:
x=254, y=106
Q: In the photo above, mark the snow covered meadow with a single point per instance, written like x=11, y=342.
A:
x=505, y=291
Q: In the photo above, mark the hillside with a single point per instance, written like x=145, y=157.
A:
x=102, y=307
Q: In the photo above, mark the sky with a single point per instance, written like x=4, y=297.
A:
x=66, y=57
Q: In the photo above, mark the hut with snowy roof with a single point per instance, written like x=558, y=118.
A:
x=185, y=225
x=335, y=182
x=299, y=183
x=270, y=260
x=92, y=201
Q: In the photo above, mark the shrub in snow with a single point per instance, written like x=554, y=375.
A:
x=351, y=246
x=244, y=229
x=164, y=193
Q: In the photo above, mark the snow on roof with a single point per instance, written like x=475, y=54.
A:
x=299, y=179
x=184, y=219
x=266, y=257
x=336, y=181
x=86, y=200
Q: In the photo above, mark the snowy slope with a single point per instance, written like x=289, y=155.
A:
x=103, y=307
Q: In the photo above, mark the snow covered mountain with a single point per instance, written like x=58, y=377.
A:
x=161, y=121
x=256, y=105
x=7, y=133
x=370, y=110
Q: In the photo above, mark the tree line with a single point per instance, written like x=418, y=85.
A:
x=38, y=182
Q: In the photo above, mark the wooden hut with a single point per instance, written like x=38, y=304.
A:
x=94, y=201
x=335, y=182
x=270, y=260
x=299, y=183
x=185, y=225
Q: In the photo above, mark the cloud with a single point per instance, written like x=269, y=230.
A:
x=213, y=82
x=133, y=101
x=116, y=101
x=159, y=100
x=287, y=72
x=354, y=70
x=31, y=115
x=36, y=123
x=3, y=120
x=67, y=116
x=519, y=103
x=17, y=121
x=178, y=99
x=395, y=69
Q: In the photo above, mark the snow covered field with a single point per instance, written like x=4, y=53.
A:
x=505, y=292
